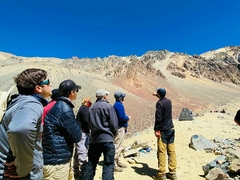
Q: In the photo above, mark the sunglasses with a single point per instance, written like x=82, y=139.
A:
x=46, y=82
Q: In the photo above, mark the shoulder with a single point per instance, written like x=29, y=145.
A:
x=65, y=102
x=165, y=100
x=118, y=104
x=29, y=100
x=28, y=103
x=101, y=102
x=84, y=107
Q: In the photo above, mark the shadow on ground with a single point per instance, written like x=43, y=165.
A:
x=145, y=170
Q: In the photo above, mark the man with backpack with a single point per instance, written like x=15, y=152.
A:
x=21, y=129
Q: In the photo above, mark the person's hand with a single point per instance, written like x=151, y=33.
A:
x=11, y=170
x=157, y=134
x=129, y=117
x=155, y=94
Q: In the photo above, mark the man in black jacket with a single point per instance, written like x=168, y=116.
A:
x=103, y=123
x=60, y=132
x=165, y=136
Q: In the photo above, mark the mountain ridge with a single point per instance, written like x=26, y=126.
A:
x=199, y=82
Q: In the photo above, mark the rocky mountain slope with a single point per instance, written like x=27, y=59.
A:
x=199, y=82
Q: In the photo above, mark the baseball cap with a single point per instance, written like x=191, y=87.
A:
x=67, y=86
x=119, y=95
x=101, y=92
x=161, y=92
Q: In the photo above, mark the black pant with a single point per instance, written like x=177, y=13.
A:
x=94, y=153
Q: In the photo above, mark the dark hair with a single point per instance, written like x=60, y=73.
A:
x=27, y=80
x=55, y=94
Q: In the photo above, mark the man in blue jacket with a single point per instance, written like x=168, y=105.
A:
x=103, y=124
x=21, y=129
x=122, y=129
x=60, y=132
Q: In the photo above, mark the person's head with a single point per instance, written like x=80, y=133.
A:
x=102, y=94
x=69, y=89
x=119, y=96
x=87, y=102
x=33, y=81
x=161, y=92
x=55, y=94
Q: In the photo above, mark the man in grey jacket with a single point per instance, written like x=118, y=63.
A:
x=103, y=123
x=21, y=129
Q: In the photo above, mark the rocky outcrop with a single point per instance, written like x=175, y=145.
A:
x=226, y=165
x=220, y=65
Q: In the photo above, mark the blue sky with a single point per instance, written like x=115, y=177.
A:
x=50, y=28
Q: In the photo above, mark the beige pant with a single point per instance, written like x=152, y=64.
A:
x=118, y=143
x=58, y=172
x=163, y=151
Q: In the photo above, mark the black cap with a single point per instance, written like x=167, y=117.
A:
x=161, y=92
x=67, y=86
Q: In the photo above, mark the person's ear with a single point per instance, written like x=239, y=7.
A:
x=37, y=89
x=105, y=96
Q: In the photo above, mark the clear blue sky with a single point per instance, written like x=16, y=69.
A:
x=86, y=28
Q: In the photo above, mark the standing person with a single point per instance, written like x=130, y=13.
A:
x=54, y=97
x=122, y=129
x=21, y=129
x=104, y=125
x=165, y=133
x=60, y=132
x=81, y=148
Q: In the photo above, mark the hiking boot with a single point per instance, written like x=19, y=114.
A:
x=171, y=176
x=122, y=165
x=160, y=177
x=118, y=169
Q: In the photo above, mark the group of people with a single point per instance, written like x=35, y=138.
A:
x=103, y=124
x=39, y=139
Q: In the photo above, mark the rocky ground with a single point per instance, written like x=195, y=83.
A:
x=190, y=162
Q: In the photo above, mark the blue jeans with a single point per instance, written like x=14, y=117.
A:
x=94, y=153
